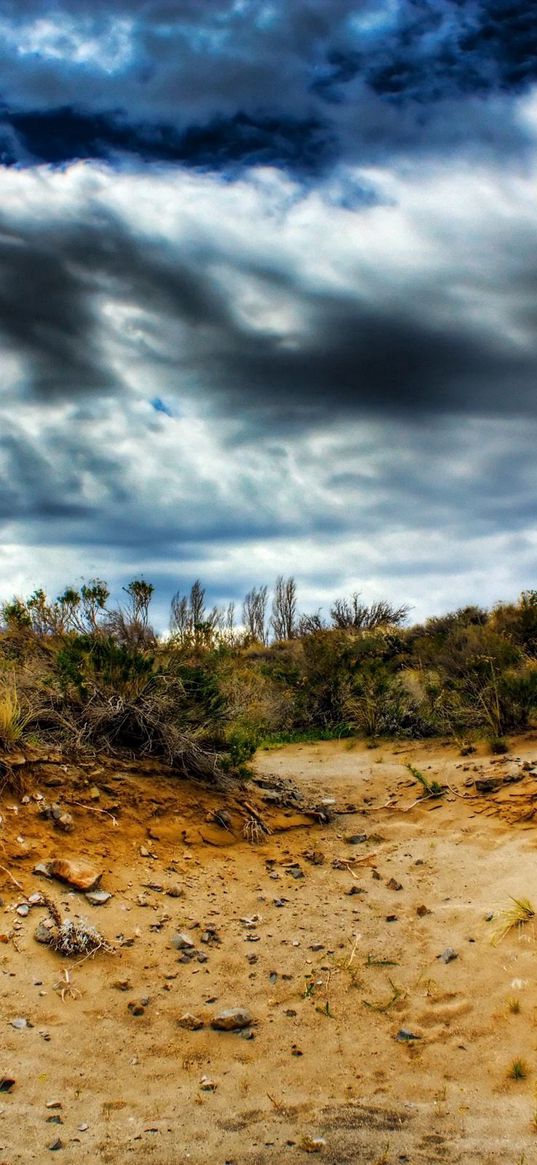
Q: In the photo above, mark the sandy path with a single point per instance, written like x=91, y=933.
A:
x=330, y=981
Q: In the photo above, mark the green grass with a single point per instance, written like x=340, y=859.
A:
x=306, y=736
x=518, y=1070
x=431, y=788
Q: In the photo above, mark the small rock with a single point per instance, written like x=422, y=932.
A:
x=83, y=1128
x=54, y=1120
x=122, y=984
x=19, y=1024
x=404, y=1035
x=354, y=890
x=448, y=955
x=312, y=1144
x=65, y=822
x=42, y=933
x=136, y=1008
x=78, y=874
x=23, y=909
x=57, y=1144
x=232, y=1019
x=391, y=918
x=98, y=897
x=42, y=869
x=7, y=1083
x=181, y=942
x=295, y=872
x=191, y=1023
x=208, y=1085
x=54, y=1104
x=36, y=899
x=356, y=839
x=421, y=911
x=175, y=892
x=393, y=884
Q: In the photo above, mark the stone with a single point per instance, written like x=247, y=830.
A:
x=23, y=909
x=421, y=911
x=75, y=873
x=7, y=1083
x=65, y=822
x=42, y=933
x=208, y=1085
x=98, y=897
x=136, y=1008
x=232, y=1019
x=356, y=839
x=181, y=942
x=393, y=884
x=191, y=1023
x=42, y=869
x=175, y=892
x=312, y=1144
x=122, y=984
x=57, y=1144
x=448, y=955
x=404, y=1035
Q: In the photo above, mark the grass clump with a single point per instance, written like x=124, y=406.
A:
x=515, y=917
x=518, y=1069
x=74, y=938
x=498, y=745
x=13, y=720
x=514, y=1006
x=431, y=788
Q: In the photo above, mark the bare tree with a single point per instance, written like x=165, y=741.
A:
x=284, y=608
x=254, y=612
x=190, y=621
x=311, y=624
x=352, y=615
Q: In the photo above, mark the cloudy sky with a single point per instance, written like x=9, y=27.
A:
x=268, y=296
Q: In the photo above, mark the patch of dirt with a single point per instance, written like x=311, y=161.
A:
x=366, y=1045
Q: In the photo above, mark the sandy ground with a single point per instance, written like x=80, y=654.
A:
x=330, y=977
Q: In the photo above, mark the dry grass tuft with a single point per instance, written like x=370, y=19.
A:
x=514, y=918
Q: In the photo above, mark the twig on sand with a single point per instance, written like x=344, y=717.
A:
x=14, y=880
x=94, y=809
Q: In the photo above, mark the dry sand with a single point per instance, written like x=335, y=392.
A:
x=330, y=981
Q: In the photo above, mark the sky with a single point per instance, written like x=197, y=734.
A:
x=268, y=297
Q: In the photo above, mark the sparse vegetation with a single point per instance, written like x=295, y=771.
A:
x=77, y=671
x=518, y=1069
x=514, y=917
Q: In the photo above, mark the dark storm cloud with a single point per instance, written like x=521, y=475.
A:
x=343, y=353
x=290, y=83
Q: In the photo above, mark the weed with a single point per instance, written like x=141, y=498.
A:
x=518, y=1070
x=326, y=1010
x=397, y=994
x=514, y=1006
x=12, y=720
x=498, y=745
x=431, y=788
x=73, y=938
x=514, y=918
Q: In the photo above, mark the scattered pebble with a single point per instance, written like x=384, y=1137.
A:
x=191, y=1023
x=448, y=955
x=232, y=1019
